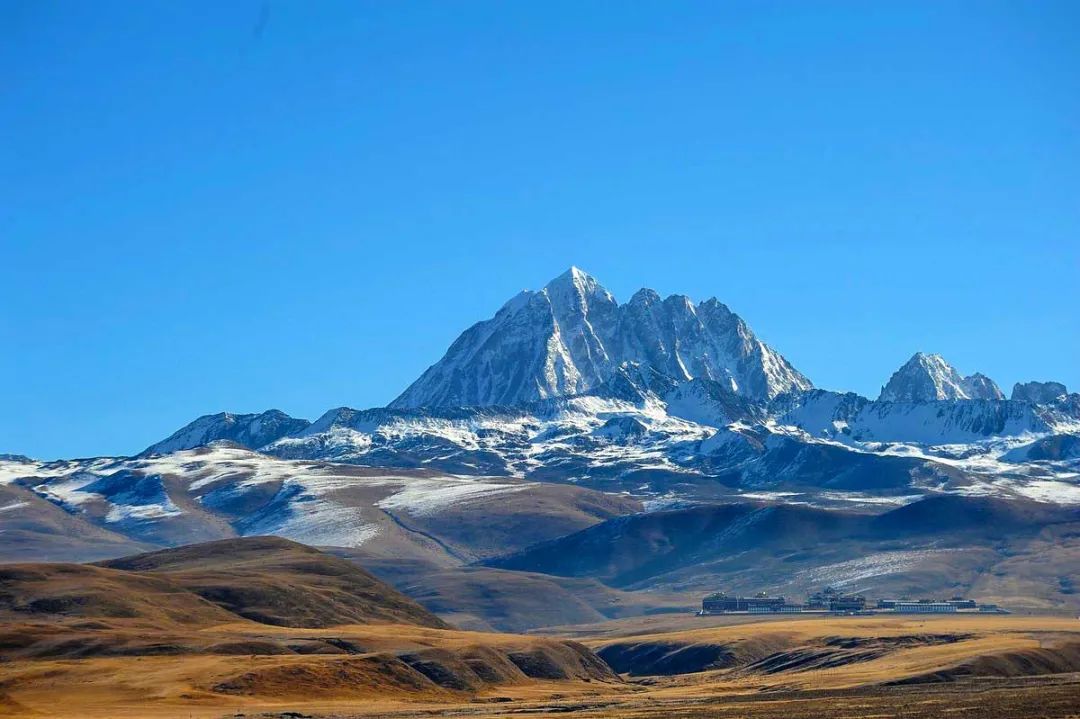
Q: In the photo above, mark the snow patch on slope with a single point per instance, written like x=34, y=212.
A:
x=422, y=498
x=843, y=574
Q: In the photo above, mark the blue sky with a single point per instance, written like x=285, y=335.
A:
x=245, y=205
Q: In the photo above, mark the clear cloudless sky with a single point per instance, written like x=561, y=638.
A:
x=253, y=204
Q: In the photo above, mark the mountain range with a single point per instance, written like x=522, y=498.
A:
x=673, y=400
x=591, y=416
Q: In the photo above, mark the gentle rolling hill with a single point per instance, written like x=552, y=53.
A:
x=1022, y=554
x=488, y=599
x=275, y=581
x=255, y=621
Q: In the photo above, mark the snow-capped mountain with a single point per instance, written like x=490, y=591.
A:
x=248, y=430
x=830, y=414
x=1038, y=392
x=979, y=386
x=928, y=377
x=568, y=338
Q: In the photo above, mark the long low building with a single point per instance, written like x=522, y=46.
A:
x=720, y=603
x=782, y=609
x=831, y=600
x=961, y=603
x=835, y=601
x=902, y=607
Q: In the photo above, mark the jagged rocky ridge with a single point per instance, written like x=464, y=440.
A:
x=569, y=337
x=248, y=430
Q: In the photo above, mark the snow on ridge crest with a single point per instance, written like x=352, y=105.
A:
x=569, y=337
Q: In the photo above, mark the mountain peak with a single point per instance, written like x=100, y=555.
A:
x=576, y=273
x=645, y=296
x=577, y=281
x=927, y=377
x=979, y=386
x=931, y=360
x=714, y=303
x=570, y=337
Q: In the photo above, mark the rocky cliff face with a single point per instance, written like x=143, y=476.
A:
x=1038, y=392
x=248, y=430
x=569, y=337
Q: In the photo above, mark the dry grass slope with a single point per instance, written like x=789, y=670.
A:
x=149, y=637
x=258, y=621
x=276, y=581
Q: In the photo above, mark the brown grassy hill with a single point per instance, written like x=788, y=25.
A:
x=275, y=581
x=358, y=669
x=494, y=525
x=36, y=529
x=1057, y=658
x=486, y=599
x=822, y=652
x=247, y=622
x=261, y=618
x=631, y=549
x=1022, y=554
x=46, y=591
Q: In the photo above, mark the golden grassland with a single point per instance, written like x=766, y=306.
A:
x=864, y=650
x=828, y=666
